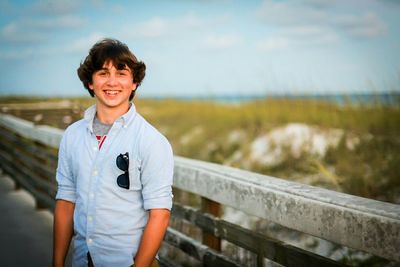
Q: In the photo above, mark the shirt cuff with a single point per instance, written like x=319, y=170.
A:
x=66, y=195
x=158, y=203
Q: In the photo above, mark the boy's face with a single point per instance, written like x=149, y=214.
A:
x=112, y=86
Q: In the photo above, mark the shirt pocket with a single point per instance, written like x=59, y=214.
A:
x=135, y=182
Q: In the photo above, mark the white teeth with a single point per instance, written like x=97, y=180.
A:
x=111, y=92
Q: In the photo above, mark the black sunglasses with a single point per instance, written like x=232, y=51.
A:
x=123, y=165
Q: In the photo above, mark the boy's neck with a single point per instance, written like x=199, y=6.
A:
x=110, y=115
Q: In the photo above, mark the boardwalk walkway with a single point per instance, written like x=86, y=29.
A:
x=25, y=233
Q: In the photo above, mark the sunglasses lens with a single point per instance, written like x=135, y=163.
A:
x=122, y=162
x=123, y=165
x=123, y=180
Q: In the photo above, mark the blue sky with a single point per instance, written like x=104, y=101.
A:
x=207, y=48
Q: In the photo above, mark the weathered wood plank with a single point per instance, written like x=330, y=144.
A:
x=30, y=161
x=42, y=170
x=44, y=134
x=47, y=185
x=35, y=156
x=197, y=250
x=40, y=151
x=42, y=200
x=267, y=247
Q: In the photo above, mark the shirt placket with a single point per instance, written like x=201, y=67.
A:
x=91, y=197
x=99, y=154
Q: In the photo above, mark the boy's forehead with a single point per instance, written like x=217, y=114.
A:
x=108, y=64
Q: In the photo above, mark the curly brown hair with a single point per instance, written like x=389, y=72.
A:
x=119, y=54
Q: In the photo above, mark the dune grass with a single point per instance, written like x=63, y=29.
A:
x=371, y=170
x=259, y=115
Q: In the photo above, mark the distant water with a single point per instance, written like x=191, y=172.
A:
x=389, y=99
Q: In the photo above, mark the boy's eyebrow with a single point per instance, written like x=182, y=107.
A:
x=125, y=67
x=103, y=68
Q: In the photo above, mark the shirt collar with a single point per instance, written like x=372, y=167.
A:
x=126, y=118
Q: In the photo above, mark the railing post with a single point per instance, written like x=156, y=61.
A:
x=260, y=260
x=214, y=208
x=17, y=185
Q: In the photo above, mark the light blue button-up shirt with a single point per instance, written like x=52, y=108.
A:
x=109, y=220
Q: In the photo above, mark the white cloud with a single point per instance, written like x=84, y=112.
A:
x=14, y=33
x=289, y=13
x=171, y=27
x=67, y=21
x=320, y=3
x=28, y=27
x=305, y=31
x=35, y=30
x=221, y=41
x=83, y=45
x=273, y=44
x=78, y=46
x=311, y=34
x=58, y=7
x=298, y=36
x=392, y=3
x=366, y=26
x=153, y=28
x=316, y=13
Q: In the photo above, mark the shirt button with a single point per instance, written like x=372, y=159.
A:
x=95, y=148
x=94, y=172
x=90, y=241
x=90, y=218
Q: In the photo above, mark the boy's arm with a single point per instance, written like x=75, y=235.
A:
x=62, y=230
x=152, y=236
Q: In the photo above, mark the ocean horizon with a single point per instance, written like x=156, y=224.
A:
x=386, y=98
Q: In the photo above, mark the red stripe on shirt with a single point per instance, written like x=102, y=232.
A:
x=100, y=139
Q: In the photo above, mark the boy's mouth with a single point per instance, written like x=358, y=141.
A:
x=111, y=92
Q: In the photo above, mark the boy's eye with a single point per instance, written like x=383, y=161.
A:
x=123, y=73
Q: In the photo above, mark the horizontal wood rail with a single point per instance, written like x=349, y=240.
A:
x=29, y=154
x=261, y=245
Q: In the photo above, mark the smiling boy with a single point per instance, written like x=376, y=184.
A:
x=114, y=170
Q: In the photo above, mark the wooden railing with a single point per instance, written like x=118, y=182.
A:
x=28, y=153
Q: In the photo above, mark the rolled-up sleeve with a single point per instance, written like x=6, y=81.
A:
x=65, y=180
x=157, y=174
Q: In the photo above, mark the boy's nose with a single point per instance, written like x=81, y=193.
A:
x=112, y=80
